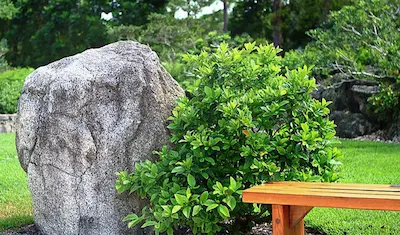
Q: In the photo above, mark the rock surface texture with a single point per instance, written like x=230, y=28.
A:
x=351, y=125
x=83, y=118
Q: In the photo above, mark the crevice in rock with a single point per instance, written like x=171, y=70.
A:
x=62, y=170
x=31, y=151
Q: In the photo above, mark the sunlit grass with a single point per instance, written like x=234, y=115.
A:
x=15, y=199
x=367, y=163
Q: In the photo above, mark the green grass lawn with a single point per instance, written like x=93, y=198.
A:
x=369, y=163
x=15, y=199
x=364, y=162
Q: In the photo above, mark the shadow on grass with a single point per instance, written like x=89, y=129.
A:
x=15, y=221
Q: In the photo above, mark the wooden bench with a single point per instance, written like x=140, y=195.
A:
x=291, y=201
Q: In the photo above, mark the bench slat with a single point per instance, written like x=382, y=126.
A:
x=365, y=190
x=357, y=196
x=339, y=185
x=331, y=192
x=325, y=193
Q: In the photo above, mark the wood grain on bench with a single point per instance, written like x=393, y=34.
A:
x=291, y=201
x=357, y=196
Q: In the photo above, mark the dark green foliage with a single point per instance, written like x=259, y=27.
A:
x=171, y=38
x=252, y=17
x=298, y=16
x=7, y=11
x=166, y=35
x=181, y=70
x=44, y=31
x=301, y=16
x=128, y=12
x=211, y=42
x=241, y=124
x=11, y=83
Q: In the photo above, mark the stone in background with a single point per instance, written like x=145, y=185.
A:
x=349, y=108
x=7, y=123
x=81, y=120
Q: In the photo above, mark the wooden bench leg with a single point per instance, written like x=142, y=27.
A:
x=288, y=220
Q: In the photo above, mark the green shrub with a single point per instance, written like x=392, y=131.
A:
x=181, y=71
x=310, y=57
x=385, y=103
x=241, y=124
x=11, y=83
x=294, y=59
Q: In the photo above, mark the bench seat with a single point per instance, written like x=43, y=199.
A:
x=291, y=201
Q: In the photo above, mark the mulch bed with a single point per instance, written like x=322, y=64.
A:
x=266, y=229
x=263, y=229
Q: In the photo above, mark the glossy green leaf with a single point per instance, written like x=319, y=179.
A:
x=182, y=200
x=223, y=211
x=203, y=197
x=186, y=211
x=211, y=207
x=191, y=180
x=176, y=209
x=196, y=210
x=149, y=223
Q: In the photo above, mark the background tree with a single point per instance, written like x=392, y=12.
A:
x=277, y=23
x=283, y=22
x=194, y=7
x=250, y=16
x=191, y=7
x=226, y=6
x=43, y=31
x=128, y=12
x=166, y=35
x=7, y=11
x=300, y=16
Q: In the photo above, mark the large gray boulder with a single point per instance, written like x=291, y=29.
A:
x=81, y=120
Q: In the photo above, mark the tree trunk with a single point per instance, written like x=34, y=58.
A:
x=326, y=9
x=225, y=29
x=188, y=8
x=277, y=22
